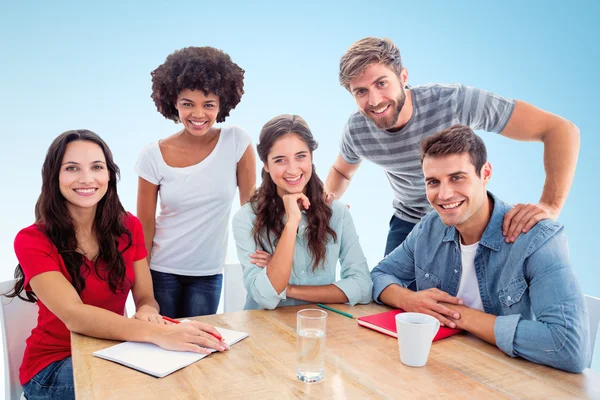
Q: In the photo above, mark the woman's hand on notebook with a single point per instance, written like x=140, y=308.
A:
x=260, y=258
x=193, y=336
x=147, y=313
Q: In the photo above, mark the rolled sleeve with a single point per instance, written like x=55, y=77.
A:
x=354, y=292
x=356, y=281
x=505, y=329
x=260, y=288
x=559, y=334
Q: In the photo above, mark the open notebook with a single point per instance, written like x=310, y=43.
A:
x=158, y=362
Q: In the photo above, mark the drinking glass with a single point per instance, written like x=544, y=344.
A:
x=310, y=345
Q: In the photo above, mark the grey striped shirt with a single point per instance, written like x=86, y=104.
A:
x=435, y=107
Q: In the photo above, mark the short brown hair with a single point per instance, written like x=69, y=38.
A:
x=455, y=140
x=365, y=52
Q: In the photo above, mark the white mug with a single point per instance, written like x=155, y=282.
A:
x=415, y=334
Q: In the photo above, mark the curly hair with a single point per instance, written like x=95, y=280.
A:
x=54, y=220
x=268, y=205
x=197, y=68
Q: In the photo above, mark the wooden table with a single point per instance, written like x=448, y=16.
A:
x=360, y=364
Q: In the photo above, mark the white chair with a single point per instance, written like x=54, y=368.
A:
x=234, y=292
x=17, y=319
x=593, y=306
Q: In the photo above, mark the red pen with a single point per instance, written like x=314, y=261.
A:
x=217, y=336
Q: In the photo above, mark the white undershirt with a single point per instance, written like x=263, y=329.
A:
x=468, y=289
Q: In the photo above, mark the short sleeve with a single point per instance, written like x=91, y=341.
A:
x=483, y=110
x=36, y=253
x=242, y=141
x=347, y=148
x=133, y=224
x=147, y=164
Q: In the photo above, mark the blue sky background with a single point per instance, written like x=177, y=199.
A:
x=68, y=65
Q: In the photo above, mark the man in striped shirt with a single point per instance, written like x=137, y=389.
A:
x=393, y=118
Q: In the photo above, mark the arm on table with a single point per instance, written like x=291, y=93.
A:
x=559, y=336
x=256, y=280
x=61, y=298
x=395, y=273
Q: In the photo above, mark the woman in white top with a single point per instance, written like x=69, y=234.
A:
x=196, y=171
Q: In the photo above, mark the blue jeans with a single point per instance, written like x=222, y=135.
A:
x=399, y=230
x=182, y=296
x=53, y=382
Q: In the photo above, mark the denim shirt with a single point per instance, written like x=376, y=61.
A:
x=529, y=284
x=355, y=280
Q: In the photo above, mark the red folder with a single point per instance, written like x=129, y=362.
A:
x=385, y=323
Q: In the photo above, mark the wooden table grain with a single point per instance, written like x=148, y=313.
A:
x=359, y=364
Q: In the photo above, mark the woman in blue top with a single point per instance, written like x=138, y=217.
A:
x=289, y=225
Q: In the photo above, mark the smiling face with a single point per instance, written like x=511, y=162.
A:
x=197, y=112
x=455, y=190
x=289, y=163
x=83, y=177
x=380, y=94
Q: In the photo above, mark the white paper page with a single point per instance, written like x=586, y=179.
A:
x=232, y=337
x=153, y=360
x=149, y=358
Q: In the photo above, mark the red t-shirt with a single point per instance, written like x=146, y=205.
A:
x=50, y=340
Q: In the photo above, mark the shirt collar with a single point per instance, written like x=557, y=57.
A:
x=492, y=237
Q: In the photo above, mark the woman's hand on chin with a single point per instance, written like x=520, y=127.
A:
x=294, y=204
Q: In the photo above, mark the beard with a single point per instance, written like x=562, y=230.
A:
x=387, y=122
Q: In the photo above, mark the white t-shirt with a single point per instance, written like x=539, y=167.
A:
x=195, y=202
x=468, y=289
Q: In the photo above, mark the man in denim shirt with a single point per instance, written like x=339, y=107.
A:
x=455, y=265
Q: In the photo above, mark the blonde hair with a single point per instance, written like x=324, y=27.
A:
x=365, y=52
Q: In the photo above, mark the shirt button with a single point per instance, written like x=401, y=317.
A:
x=426, y=275
x=302, y=272
x=508, y=298
x=455, y=271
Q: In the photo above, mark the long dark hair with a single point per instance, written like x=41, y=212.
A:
x=268, y=206
x=52, y=217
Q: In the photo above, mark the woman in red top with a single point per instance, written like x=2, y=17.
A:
x=79, y=261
